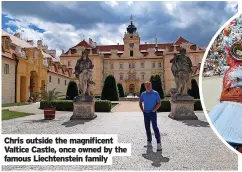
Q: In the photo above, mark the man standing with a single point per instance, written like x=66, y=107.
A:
x=151, y=100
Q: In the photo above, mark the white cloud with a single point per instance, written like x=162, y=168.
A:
x=112, y=3
x=63, y=36
x=231, y=6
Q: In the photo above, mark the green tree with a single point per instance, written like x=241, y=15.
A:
x=142, y=88
x=72, y=90
x=156, y=85
x=110, y=90
x=120, y=90
x=194, y=92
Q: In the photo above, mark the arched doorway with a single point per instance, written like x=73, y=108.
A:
x=131, y=88
x=33, y=86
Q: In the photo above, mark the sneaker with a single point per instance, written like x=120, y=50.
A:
x=149, y=144
x=159, y=148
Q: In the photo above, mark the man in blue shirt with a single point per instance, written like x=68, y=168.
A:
x=151, y=99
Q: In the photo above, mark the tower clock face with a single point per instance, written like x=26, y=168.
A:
x=131, y=45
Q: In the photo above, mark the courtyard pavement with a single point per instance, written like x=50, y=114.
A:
x=187, y=145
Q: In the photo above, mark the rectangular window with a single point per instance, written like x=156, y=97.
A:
x=49, y=78
x=121, y=66
x=7, y=44
x=133, y=65
x=69, y=63
x=6, y=69
x=58, y=80
x=131, y=53
x=142, y=65
x=143, y=77
x=159, y=64
x=153, y=65
x=121, y=77
x=111, y=66
x=129, y=65
x=65, y=82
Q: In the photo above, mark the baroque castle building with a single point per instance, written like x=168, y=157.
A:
x=133, y=63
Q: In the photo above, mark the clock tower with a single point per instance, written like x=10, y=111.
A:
x=131, y=41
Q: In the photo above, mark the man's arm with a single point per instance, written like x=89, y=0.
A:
x=158, y=104
x=141, y=106
x=141, y=100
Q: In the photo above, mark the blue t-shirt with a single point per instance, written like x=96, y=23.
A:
x=150, y=100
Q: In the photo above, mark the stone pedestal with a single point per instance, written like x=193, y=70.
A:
x=83, y=108
x=182, y=108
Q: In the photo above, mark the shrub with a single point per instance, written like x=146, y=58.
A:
x=50, y=96
x=120, y=90
x=60, y=105
x=194, y=92
x=110, y=91
x=103, y=106
x=72, y=90
x=198, y=105
x=156, y=85
x=165, y=106
x=142, y=88
x=67, y=105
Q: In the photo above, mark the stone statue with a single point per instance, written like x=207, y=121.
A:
x=182, y=105
x=83, y=71
x=182, y=71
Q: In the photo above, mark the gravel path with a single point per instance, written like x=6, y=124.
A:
x=127, y=106
x=187, y=145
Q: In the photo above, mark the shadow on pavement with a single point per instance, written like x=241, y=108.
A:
x=196, y=123
x=155, y=157
x=72, y=123
x=39, y=121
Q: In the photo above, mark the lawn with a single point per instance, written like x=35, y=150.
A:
x=14, y=104
x=6, y=114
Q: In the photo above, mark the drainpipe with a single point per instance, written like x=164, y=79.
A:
x=16, y=78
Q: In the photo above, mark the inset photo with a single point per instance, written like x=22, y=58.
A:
x=222, y=83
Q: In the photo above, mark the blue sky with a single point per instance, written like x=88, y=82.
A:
x=63, y=24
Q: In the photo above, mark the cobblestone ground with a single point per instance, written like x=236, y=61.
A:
x=187, y=145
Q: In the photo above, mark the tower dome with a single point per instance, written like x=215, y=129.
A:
x=131, y=28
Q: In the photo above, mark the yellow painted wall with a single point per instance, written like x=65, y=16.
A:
x=24, y=69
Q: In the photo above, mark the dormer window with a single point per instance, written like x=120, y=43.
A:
x=7, y=44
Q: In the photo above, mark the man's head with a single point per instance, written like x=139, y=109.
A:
x=148, y=86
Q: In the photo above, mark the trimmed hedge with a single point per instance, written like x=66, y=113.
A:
x=166, y=106
x=198, y=105
x=120, y=90
x=72, y=90
x=103, y=106
x=110, y=89
x=67, y=105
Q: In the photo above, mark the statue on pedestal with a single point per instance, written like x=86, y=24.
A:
x=182, y=70
x=84, y=71
x=84, y=105
x=182, y=105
